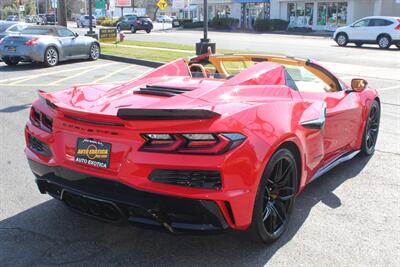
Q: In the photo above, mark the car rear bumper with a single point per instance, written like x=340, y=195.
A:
x=114, y=201
x=23, y=54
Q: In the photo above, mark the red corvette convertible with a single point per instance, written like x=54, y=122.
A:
x=205, y=143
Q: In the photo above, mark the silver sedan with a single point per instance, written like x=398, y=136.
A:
x=47, y=44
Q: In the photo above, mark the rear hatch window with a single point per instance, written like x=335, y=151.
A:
x=37, y=31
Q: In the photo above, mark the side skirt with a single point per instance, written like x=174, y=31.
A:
x=334, y=163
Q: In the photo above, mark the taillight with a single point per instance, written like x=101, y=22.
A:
x=398, y=26
x=32, y=42
x=41, y=120
x=192, y=143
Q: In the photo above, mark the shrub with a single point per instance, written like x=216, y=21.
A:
x=262, y=25
x=100, y=20
x=108, y=22
x=224, y=23
x=192, y=25
x=279, y=24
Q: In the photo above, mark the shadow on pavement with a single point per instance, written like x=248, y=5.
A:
x=49, y=233
x=369, y=47
x=12, y=109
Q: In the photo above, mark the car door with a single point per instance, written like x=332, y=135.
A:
x=340, y=112
x=72, y=45
x=359, y=30
x=376, y=27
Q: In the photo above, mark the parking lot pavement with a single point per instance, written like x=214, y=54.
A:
x=348, y=217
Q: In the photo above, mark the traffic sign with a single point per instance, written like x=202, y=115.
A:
x=162, y=4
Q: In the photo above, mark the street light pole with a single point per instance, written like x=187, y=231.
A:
x=204, y=44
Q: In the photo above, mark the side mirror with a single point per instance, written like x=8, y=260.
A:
x=76, y=34
x=358, y=85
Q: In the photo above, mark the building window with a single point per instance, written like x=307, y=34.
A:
x=332, y=14
x=300, y=14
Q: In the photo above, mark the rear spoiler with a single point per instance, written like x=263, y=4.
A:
x=166, y=114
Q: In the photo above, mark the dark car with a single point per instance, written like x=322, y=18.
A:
x=12, y=18
x=135, y=23
x=48, y=19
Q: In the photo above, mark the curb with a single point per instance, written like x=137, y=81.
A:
x=136, y=61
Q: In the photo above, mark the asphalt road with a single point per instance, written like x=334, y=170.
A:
x=348, y=217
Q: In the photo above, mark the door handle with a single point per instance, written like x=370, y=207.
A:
x=317, y=123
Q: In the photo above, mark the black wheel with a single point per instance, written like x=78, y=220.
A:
x=384, y=41
x=11, y=61
x=148, y=31
x=371, y=129
x=342, y=39
x=358, y=44
x=133, y=30
x=51, y=57
x=275, y=197
x=94, y=52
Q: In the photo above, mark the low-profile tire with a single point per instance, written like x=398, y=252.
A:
x=384, y=41
x=51, y=56
x=275, y=197
x=133, y=30
x=148, y=31
x=94, y=52
x=371, y=129
x=358, y=44
x=11, y=61
x=342, y=39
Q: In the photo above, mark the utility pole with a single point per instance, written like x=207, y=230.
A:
x=62, y=13
x=204, y=44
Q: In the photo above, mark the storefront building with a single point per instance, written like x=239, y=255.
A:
x=246, y=11
x=330, y=14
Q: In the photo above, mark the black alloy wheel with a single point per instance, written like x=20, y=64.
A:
x=371, y=129
x=275, y=197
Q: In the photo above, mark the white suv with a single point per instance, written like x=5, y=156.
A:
x=383, y=31
x=83, y=21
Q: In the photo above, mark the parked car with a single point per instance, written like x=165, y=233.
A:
x=203, y=144
x=164, y=18
x=49, y=19
x=381, y=30
x=83, y=21
x=40, y=19
x=30, y=19
x=47, y=44
x=12, y=18
x=135, y=23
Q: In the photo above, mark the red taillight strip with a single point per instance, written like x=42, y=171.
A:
x=181, y=143
x=40, y=120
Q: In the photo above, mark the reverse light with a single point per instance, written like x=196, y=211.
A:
x=192, y=143
x=32, y=42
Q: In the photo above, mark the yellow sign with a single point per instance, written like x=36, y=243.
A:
x=107, y=35
x=162, y=4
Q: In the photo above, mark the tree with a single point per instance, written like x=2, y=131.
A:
x=61, y=13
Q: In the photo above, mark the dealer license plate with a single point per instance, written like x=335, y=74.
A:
x=92, y=152
x=11, y=48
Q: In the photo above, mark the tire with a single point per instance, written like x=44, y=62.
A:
x=94, y=52
x=384, y=41
x=133, y=30
x=11, y=61
x=358, y=44
x=77, y=25
x=148, y=31
x=342, y=39
x=371, y=129
x=275, y=197
x=51, y=56
x=118, y=28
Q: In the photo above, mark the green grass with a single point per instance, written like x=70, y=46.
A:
x=147, y=54
x=160, y=56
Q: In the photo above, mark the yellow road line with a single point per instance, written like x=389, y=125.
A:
x=33, y=76
x=110, y=74
x=81, y=73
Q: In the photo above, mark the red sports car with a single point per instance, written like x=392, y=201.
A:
x=205, y=143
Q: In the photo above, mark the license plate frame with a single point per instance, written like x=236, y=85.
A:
x=93, y=153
